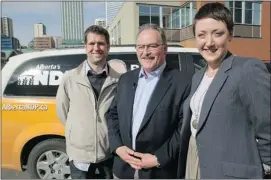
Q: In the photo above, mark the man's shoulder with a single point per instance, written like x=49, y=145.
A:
x=179, y=76
x=130, y=74
x=71, y=73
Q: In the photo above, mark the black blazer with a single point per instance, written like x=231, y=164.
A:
x=159, y=132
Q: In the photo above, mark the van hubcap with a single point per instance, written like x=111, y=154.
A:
x=53, y=164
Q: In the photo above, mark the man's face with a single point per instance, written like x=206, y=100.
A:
x=96, y=48
x=151, y=52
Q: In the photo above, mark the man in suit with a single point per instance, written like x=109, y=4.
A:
x=147, y=111
x=82, y=101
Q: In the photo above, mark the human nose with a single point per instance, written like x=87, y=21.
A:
x=96, y=46
x=146, y=51
x=209, y=40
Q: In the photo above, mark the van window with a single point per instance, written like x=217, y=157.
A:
x=132, y=62
x=198, y=61
x=41, y=76
x=129, y=59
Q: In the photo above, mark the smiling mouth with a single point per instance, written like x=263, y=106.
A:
x=210, y=50
x=148, y=58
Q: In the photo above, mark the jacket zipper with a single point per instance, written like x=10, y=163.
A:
x=97, y=101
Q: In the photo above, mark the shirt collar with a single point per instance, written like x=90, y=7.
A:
x=88, y=68
x=157, y=72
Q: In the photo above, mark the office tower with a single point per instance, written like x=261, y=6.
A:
x=72, y=23
x=6, y=26
x=39, y=30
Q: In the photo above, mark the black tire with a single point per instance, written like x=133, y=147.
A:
x=38, y=150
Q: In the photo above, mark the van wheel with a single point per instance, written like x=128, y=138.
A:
x=48, y=160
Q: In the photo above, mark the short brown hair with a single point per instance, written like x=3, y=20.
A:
x=216, y=11
x=96, y=30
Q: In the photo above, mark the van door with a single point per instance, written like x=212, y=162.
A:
x=28, y=103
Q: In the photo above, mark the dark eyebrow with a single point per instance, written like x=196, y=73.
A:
x=217, y=30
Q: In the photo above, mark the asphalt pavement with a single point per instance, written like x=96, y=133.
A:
x=11, y=174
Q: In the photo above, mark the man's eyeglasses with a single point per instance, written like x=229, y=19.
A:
x=150, y=47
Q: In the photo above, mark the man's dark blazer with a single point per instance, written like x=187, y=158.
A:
x=158, y=133
x=234, y=135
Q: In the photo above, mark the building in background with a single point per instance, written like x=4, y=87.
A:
x=100, y=22
x=112, y=8
x=8, y=43
x=58, y=41
x=72, y=23
x=39, y=30
x=134, y=14
x=45, y=42
x=251, y=34
x=6, y=26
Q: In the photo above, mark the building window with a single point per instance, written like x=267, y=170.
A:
x=168, y=16
x=144, y=15
x=155, y=14
x=176, y=18
x=245, y=12
x=256, y=20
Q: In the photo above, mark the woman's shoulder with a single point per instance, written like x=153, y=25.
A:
x=247, y=61
x=244, y=59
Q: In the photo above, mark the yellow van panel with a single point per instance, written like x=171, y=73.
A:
x=22, y=120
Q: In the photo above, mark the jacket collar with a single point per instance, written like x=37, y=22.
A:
x=81, y=76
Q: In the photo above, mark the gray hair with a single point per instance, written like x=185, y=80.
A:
x=156, y=28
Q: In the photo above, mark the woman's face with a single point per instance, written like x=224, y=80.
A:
x=212, y=39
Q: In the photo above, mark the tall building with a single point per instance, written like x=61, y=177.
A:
x=100, y=22
x=111, y=10
x=7, y=26
x=39, y=30
x=8, y=43
x=72, y=23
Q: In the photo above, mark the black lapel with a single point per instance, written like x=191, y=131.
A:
x=132, y=83
x=159, y=92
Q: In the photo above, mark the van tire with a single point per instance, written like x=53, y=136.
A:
x=56, y=145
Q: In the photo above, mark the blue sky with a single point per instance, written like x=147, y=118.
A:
x=26, y=14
